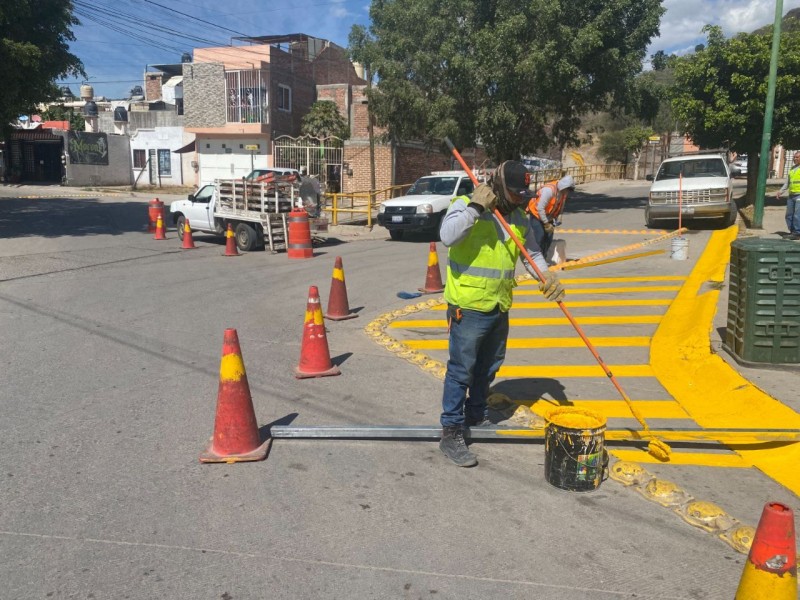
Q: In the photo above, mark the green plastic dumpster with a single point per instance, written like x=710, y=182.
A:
x=764, y=302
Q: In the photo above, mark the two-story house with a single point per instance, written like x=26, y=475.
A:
x=238, y=99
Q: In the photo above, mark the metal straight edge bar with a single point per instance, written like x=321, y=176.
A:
x=433, y=432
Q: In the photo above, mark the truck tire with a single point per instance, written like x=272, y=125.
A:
x=180, y=221
x=396, y=234
x=245, y=237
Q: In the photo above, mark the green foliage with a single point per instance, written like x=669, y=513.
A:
x=720, y=93
x=515, y=75
x=34, y=52
x=59, y=112
x=324, y=120
x=618, y=146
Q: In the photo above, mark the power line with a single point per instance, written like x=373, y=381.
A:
x=195, y=18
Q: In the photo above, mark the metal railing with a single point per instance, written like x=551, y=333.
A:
x=360, y=207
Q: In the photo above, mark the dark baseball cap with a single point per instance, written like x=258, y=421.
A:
x=513, y=177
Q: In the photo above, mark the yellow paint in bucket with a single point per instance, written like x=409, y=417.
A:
x=575, y=457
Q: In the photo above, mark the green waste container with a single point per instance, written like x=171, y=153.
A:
x=764, y=302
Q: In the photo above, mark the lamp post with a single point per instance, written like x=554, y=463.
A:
x=764, y=156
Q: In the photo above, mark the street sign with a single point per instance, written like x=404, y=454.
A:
x=654, y=138
x=251, y=147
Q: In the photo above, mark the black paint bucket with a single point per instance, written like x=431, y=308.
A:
x=575, y=458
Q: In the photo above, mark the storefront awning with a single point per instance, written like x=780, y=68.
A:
x=190, y=147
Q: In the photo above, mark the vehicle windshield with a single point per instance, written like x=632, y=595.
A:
x=711, y=167
x=434, y=185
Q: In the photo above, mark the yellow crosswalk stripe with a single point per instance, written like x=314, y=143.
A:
x=608, y=290
x=539, y=322
x=574, y=280
x=544, y=342
x=695, y=459
x=559, y=371
x=583, y=304
x=618, y=409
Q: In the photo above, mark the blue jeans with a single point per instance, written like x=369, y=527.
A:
x=543, y=239
x=477, y=349
x=793, y=214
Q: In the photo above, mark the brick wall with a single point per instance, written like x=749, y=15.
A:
x=204, y=94
x=333, y=65
x=413, y=161
x=152, y=86
x=303, y=95
x=359, y=120
x=356, y=155
x=339, y=94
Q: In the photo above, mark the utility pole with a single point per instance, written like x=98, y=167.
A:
x=765, y=155
x=371, y=134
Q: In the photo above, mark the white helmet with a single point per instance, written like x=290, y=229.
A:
x=566, y=182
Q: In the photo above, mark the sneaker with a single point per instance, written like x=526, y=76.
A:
x=793, y=236
x=455, y=448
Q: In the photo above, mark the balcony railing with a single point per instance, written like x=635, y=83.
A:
x=247, y=100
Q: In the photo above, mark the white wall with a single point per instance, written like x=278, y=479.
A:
x=227, y=158
x=161, y=138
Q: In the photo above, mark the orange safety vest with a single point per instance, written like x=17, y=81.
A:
x=554, y=207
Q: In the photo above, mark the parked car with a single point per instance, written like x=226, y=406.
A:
x=424, y=204
x=739, y=166
x=697, y=187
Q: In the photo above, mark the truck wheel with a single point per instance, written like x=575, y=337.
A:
x=245, y=237
x=649, y=223
x=180, y=222
x=396, y=234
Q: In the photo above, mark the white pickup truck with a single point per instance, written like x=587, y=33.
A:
x=255, y=210
x=425, y=203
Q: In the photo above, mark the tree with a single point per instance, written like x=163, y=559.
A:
x=34, y=53
x=324, y=120
x=514, y=75
x=59, y=112
x=659, y=60
x=624, y=144
x=720, y=94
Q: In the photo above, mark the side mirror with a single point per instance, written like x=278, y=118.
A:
x=649, y=177
x=191, y=197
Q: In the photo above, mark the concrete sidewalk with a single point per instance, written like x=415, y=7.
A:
x=780, y=383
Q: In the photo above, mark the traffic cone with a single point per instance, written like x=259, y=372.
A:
x=315, y=358
x=433, y=280
x=338, y=307
x=160, y=235
x=235, y=436
x=188, y=242
x=771, y=567
x=230, y=243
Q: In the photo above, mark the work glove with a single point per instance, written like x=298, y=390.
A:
x=484, y=196
x=551, y=287
x=549, y=228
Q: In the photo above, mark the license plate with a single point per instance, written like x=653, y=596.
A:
x=397, y=219
x=687, y=210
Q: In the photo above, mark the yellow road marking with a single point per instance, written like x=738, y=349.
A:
x=695, y=459
x=612, y=279
x=549, y=342
x=710, y=391
x=582, y=304
x=536, y=322
x=609, y=290
x=559, y=371
x=650, y=409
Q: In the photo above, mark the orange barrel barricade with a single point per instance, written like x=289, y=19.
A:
x=299, y=245
x=154, y=209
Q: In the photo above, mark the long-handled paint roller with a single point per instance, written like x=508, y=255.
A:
x=655, y=447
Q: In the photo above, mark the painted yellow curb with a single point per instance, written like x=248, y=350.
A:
x=707, y=388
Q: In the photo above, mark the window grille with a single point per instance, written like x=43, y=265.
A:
x=246, y=95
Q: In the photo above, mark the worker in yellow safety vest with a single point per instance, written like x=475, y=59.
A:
x=792, y=185
x=546, y=209
x=480, y=276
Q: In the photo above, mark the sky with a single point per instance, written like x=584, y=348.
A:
x=118, y=39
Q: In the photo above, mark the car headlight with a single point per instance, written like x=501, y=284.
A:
x=658, y=195
x=425, y=208
x=382, y=208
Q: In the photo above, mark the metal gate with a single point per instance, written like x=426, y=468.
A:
x=322, y=157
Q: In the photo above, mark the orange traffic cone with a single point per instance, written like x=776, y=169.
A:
x=188, y=242
x=315, y=358
x=235, y=436
x=230, y=243
x=338, y=307
x=160, y=235
x=433, y=280
x=771, y=567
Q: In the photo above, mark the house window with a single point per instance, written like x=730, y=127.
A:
x=246, y=94
x=284, y=98
x=139, y=159
x=164, y=162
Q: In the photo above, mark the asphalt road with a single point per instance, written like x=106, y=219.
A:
x=109, y=380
